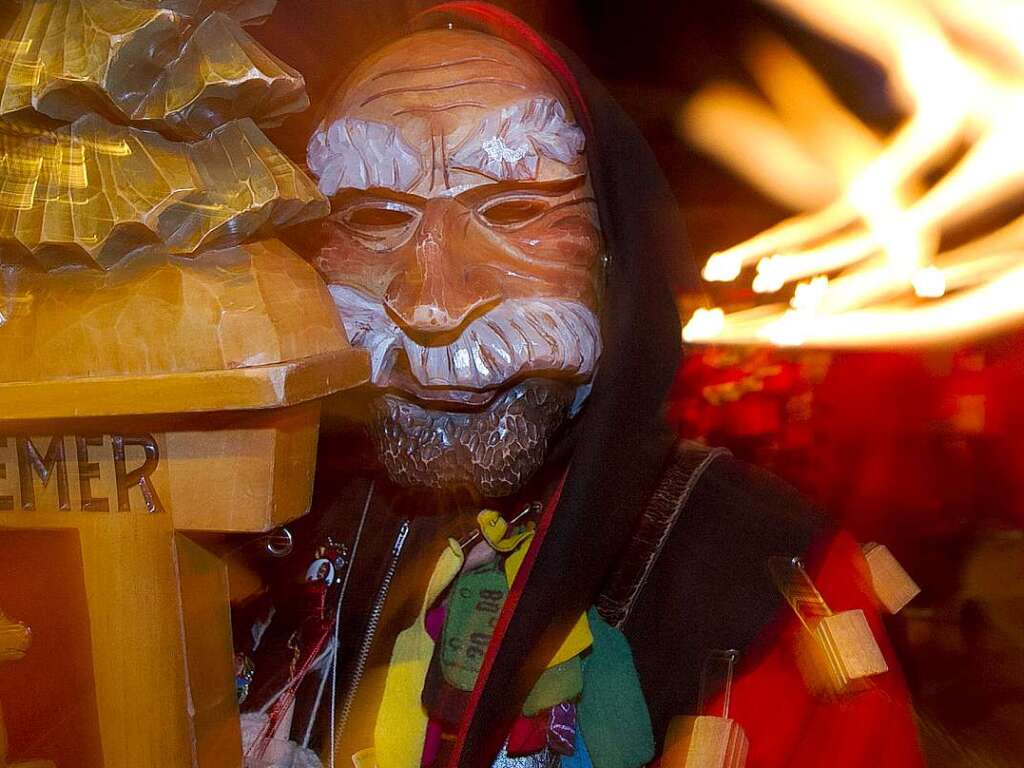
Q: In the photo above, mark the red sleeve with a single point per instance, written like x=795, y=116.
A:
x=787, y=725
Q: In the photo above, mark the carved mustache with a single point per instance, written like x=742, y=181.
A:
x=515, y=338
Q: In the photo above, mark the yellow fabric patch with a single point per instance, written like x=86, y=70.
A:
x=494, y=527
x=401, y=726
x=580, y=638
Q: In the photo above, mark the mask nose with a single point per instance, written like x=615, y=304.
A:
x=439, y=290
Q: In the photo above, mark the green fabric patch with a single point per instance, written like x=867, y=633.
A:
x=474, y=604
x=562, y=682
x=612, y=713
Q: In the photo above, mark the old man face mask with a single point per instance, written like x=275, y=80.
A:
x=463, y=252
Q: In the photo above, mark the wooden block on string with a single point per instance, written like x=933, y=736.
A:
x=15, y=639
x=850, y=649
x=836, y=652
x=892, y=584
x=705, y=742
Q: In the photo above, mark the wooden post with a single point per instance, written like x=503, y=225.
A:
x=158, y=621
x=103, y=476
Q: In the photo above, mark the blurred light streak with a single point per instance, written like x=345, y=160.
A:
x=731, y=124
x=929, y=283
x=991, y=306
x=705, y=324
x=871, y=248
x=808, y=295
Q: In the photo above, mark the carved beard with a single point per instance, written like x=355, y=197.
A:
x=548, y=346
x=493, y=451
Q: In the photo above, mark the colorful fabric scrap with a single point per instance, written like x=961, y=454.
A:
x=612, y=713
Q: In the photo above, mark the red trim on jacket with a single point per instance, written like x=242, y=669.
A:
x=504, y=618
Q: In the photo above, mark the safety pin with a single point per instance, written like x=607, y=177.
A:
x=533, y=506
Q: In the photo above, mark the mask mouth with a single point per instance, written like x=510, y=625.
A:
x=402, y=383
x=439, y=398
x=452, y=399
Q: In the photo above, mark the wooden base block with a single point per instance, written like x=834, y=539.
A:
x=160, y=396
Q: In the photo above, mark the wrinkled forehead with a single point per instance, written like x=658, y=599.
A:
x=447, y=109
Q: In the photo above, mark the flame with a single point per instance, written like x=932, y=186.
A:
x=862, y=254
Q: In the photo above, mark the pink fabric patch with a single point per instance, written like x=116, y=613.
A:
x=434, y=621
x=432, y=743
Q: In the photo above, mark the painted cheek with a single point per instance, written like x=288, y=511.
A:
x=568, y=241
x=555, y=259
x=524, y=277
x=343, y=260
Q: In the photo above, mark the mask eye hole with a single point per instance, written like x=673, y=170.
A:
x=507, y=213
x=376, y=217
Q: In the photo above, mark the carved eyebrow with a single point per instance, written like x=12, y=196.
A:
x=442, y=65
x=359, y=153
x=507, y=144
x=443, y=87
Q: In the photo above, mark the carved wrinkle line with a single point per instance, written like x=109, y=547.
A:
x=441, y=65
x=444, y=161
x=442, y=87
x=442, y=108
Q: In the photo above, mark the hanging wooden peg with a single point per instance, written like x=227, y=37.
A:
x=15, y=639
x=892, y=584
x=838, y=652
x=704, y=740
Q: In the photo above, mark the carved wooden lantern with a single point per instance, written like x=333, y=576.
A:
x=162, y=363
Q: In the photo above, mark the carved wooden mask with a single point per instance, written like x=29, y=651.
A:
x=464, y=251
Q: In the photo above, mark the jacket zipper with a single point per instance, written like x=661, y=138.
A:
x=371, y=630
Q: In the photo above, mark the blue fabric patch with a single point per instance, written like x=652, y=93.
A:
x=581, y=758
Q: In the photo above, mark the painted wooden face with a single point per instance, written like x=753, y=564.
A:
x=463, y=248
